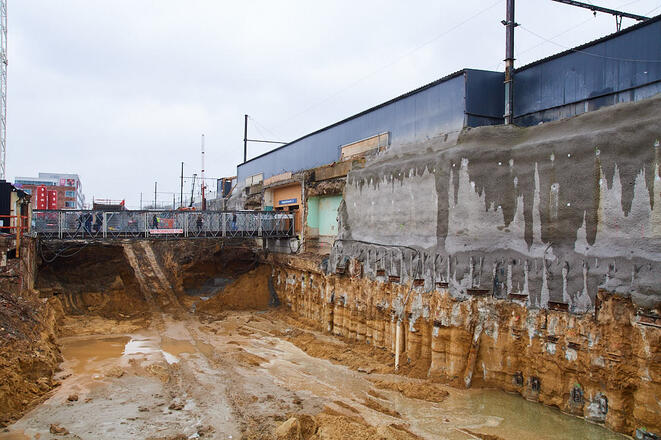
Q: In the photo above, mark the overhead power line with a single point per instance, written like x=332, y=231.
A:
x=565, y=31
x=594, y=8
x=632, y=60
x=393, y=62
x=261, y=127
x=652, y=10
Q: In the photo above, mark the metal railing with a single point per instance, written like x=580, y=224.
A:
x=9, y=224
x=89, y=224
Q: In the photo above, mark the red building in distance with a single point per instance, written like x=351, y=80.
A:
x=53, y=191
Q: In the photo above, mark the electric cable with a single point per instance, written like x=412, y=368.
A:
x=588, y=53
x=263, y=127
x=59, y=253
x=652, y=10
x=393, y=62
x=535, y=46
x=371, y=243
x=400, y=317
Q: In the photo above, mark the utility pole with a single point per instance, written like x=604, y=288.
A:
x=617, y=14
x=245, y=138
x=192, y=191
x=3, y=88
x=203, y=183
x=181, y=189
x=140, y=201
x=155, y=187
x=510, y=24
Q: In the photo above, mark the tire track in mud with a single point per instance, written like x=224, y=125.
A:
x=185, y=382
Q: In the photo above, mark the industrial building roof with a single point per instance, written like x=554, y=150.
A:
x=371, y=109
x=592, y=43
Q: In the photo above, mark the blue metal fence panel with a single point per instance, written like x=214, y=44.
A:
x=416, y=116
x=485, y=98
x=603, y=68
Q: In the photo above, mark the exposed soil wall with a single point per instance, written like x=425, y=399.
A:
x=189, y=263
x=603, y=366
x=249, y=291
x=28, y=352
x=96, y=279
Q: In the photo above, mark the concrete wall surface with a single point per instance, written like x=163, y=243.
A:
x=551, y=213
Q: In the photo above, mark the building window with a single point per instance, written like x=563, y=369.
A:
x=69, y=194
x=70, y=204
x=34, y=182
x=255, y=179
x=28, y=190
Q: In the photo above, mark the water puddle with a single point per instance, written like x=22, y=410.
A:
x=463, y=411
x=463, y=414
x=171, y=349
x=176, y=346
x=89, y=354
x=14, y=435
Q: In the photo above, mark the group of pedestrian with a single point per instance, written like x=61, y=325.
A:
x=90, y=222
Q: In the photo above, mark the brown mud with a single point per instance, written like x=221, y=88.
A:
x=28, y=352
x=174, y=365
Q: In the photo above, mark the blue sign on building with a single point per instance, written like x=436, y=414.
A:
x=287, y=201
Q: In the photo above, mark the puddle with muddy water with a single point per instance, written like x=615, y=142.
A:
x=151, y=346
x=480, y=411
x=16, y=435
x=90, y=354
x=460, y=413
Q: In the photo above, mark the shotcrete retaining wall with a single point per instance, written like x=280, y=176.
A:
x=603, y=367
x=547, y=214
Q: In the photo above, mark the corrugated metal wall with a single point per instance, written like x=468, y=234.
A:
x=600, y=74
x=485, y=98
x=437, y=109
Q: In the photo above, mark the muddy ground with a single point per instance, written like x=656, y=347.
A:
x=155, y=350
x=245, y=374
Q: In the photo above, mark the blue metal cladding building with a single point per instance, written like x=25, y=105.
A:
x=468, y=98
x=622, y=67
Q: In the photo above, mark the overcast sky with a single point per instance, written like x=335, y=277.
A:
x=120, y=91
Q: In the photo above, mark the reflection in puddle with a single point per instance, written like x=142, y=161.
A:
x=463, y=412
x=489, y=412
x=85, y=355
x=177, y=346
x=93, y=354
x=14, y=435
x=168, y=347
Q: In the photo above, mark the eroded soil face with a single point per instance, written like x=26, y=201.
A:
x=185, y=359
